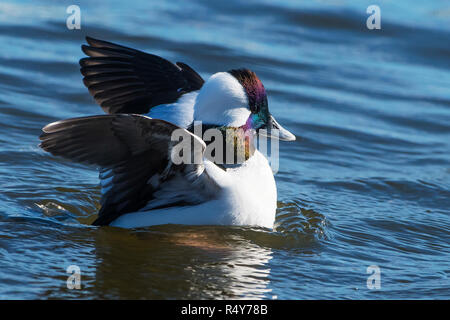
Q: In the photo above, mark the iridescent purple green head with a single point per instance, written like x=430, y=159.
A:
x=260, y=117
x=256, y=93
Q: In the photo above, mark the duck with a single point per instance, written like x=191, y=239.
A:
x=147, y=101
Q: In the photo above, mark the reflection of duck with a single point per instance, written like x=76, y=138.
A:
x=141, y=183
x=220, y=263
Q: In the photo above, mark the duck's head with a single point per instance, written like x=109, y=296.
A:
x=238, y=99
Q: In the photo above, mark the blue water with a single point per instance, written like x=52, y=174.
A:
x=366, y=183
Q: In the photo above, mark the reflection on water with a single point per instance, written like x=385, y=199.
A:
x=202, y=263
x=366, y=183
x=175, y=262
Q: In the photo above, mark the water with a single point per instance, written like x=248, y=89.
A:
x=366, y=183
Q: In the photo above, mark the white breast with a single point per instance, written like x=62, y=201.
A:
x=252, y=193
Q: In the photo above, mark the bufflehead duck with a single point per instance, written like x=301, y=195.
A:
x=147, y=98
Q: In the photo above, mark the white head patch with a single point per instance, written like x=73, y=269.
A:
x=222, y=101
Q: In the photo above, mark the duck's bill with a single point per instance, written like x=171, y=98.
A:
x=276, y=131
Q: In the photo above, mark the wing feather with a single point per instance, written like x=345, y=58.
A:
x=125, y=80
x=133, y=153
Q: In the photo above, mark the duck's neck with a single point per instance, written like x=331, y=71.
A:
x=237, y=146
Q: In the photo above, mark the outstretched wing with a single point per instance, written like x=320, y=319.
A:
x=125, y=80
x=135, y=156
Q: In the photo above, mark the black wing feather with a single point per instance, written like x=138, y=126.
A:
x=129, y=149
x=125, y=80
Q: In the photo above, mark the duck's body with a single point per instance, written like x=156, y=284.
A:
x=238, y=202
x=142, y=182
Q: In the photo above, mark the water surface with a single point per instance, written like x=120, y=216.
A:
x=366, y=183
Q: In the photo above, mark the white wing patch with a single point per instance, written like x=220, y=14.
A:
x=180, y=113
